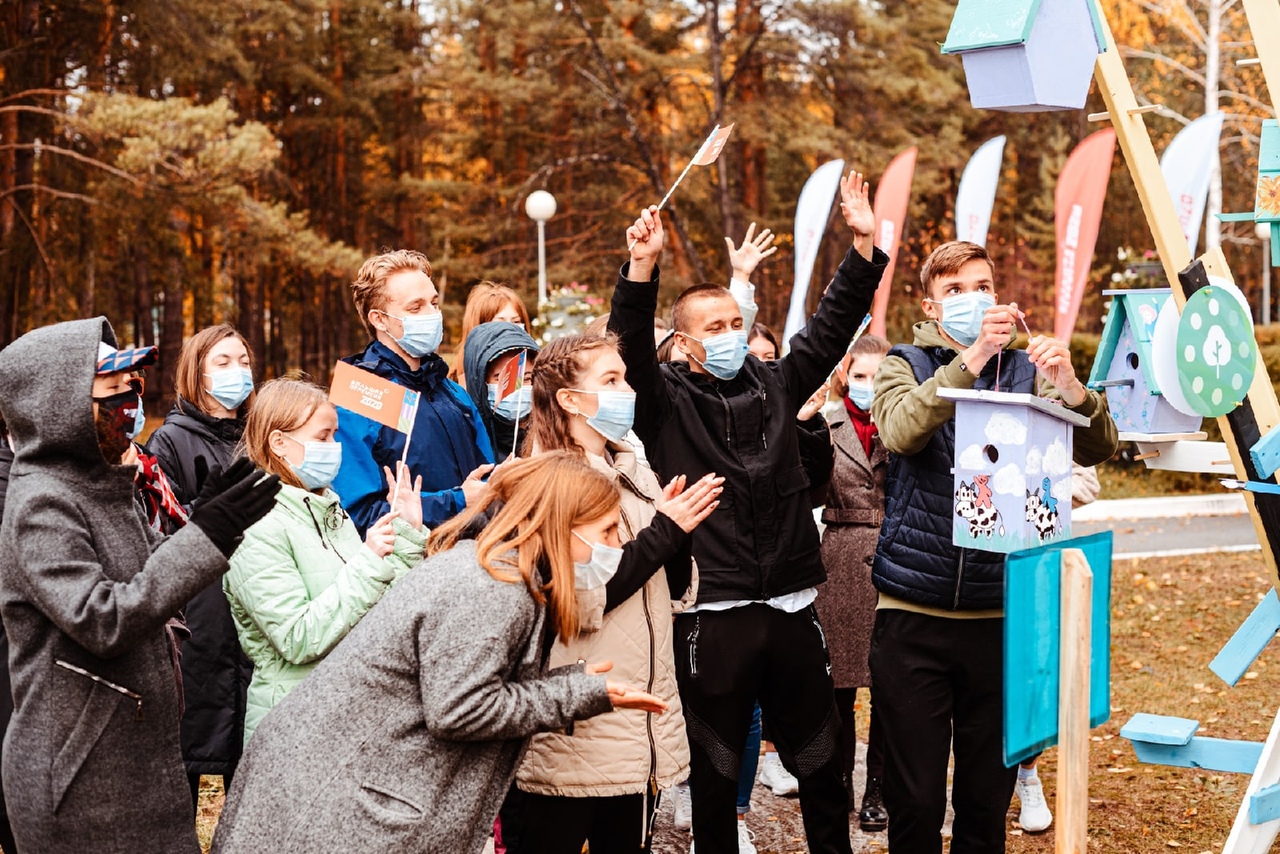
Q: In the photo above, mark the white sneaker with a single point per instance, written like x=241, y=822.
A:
x=746, y=840
x=684, y=806
x=778, y=778
x=1034, y=815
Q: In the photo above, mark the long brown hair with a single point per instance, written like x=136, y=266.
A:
x=284, y=405
x=540, y=499
x=483, y=304
x=560, y=364
x=190, y=372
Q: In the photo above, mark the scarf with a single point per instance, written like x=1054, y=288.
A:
x=862, y=425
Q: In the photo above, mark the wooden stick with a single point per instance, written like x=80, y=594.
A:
x=1150, y=455
x=1072, y=820
x=1136, y=111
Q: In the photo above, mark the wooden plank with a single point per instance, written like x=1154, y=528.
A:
x=1192, y=456
x=1264, y=24
x=1071, y=834
x=1264, y=805
x=1247, y=837
x=1266, y=453
x=1211, y=754
x=1159, y=729
x=1249, y=640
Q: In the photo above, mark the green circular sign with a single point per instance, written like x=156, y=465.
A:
x=1216, y=352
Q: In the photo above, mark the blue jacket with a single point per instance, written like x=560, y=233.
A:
x=449, y=442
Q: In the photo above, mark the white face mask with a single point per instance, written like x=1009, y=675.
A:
x=602, y=567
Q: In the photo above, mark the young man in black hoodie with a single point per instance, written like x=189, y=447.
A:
x=753, y=632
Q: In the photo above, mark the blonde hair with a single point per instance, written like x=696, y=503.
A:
x=368, y=291
x=284, y=405
x=560, y=364
x=189, y=382
x=539, y=500
x=483, y=304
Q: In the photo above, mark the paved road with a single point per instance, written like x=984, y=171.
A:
x=1177, y=534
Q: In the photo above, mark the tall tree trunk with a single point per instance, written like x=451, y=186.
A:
x=1212, y=74
x=715, y=55
x=173, y=324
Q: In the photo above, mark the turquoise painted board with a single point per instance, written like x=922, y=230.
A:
x=1031, y=643
x=1266, y=453
x=990, y=23
x=1211, y=754
x=1249, y=640
x=1264, y=805
x=1159, y=729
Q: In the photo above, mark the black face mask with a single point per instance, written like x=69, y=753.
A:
x=114, y=422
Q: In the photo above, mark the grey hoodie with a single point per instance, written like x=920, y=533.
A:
x=485, y=343
x=86, y=586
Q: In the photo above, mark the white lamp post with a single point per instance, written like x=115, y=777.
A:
x=541, y=206
x=1263, y=231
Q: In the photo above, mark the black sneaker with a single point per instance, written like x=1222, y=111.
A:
x=872, y=818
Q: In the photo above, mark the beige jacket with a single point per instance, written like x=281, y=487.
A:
x=626, y=752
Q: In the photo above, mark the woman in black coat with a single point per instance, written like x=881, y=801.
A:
x=215, y=391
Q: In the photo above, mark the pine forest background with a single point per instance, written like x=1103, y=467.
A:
x=174, y=163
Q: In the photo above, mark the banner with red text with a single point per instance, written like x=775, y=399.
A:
x=1082, y=186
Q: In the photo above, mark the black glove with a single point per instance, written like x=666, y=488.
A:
x=232, y=501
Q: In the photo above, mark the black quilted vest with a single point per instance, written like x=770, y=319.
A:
x=915, y=558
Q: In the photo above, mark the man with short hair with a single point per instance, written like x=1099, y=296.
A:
x=937, y=649
x=449, y=447
x=92, y=760
x=753, y=632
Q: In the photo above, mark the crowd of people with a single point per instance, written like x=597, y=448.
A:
x=547, y=607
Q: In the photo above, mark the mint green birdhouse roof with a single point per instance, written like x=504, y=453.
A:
x=1140, y=308
x=980, y=24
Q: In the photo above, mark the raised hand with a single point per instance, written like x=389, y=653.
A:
x=855, y=204
x=404, y=494
x=688, y=507
x=755, y=248
x=814, y=404
x=644, y=242
x=381, y=536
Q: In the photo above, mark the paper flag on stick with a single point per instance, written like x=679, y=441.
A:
x=368, y=394
x=511, y=377
x=708, y=153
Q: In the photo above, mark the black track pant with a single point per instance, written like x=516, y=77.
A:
x=554, y=825
x=725, y=660
x=936, y=682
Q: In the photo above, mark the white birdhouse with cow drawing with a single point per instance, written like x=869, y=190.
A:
x=1012, y=472
x=1027, y=55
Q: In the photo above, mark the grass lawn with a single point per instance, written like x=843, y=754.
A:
x=1170, y=616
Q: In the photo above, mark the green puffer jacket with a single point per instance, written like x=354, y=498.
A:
x=299, y=582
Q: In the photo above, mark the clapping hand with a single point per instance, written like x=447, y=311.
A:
x=755, y=248
x=404, y=494
x=624, y=696
x=814, y=404
x=688, y=507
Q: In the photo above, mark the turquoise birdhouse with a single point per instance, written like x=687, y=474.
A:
x=1267, y=206
x=1027, y=55
x=1125, y=366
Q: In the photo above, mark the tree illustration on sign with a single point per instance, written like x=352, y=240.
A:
x=1217, y=350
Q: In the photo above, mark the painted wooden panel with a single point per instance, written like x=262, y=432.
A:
x=1249, y=640
x=1250, y=834
x=1266, y=453
x=1264, y=805
x=1032, y=627
x=1159, y=729
x=1211, y=754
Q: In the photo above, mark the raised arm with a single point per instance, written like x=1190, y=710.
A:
x=635, y=302
x=817, y=348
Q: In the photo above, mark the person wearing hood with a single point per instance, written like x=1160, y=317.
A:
x=93, y=761
x=214, y=392
x=488, y=352
x=937, y=657
x=449, y=447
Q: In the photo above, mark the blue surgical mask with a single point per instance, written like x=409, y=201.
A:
x=320, y=463
x=615, y=413
x=602, y=566
x=139, y=422
x=962, y=315
x=231, y=386
x=515, y=406
x=862, y=395
x=725, y=353
x=422, y=333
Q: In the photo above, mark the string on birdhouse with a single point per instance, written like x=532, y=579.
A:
x=1035, y=387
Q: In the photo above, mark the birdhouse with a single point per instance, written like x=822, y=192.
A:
x=1267, y=208
x=1027, y=55
x=1125, y=366
x=1012, y=472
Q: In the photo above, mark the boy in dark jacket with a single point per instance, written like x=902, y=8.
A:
x=449, y=448
x=92, y=760
x=487, y=352
x=753, y=632
x=936, y=653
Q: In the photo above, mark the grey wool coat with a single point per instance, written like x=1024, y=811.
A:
x=855, y=509
x=407, y=736
x=86, y=586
